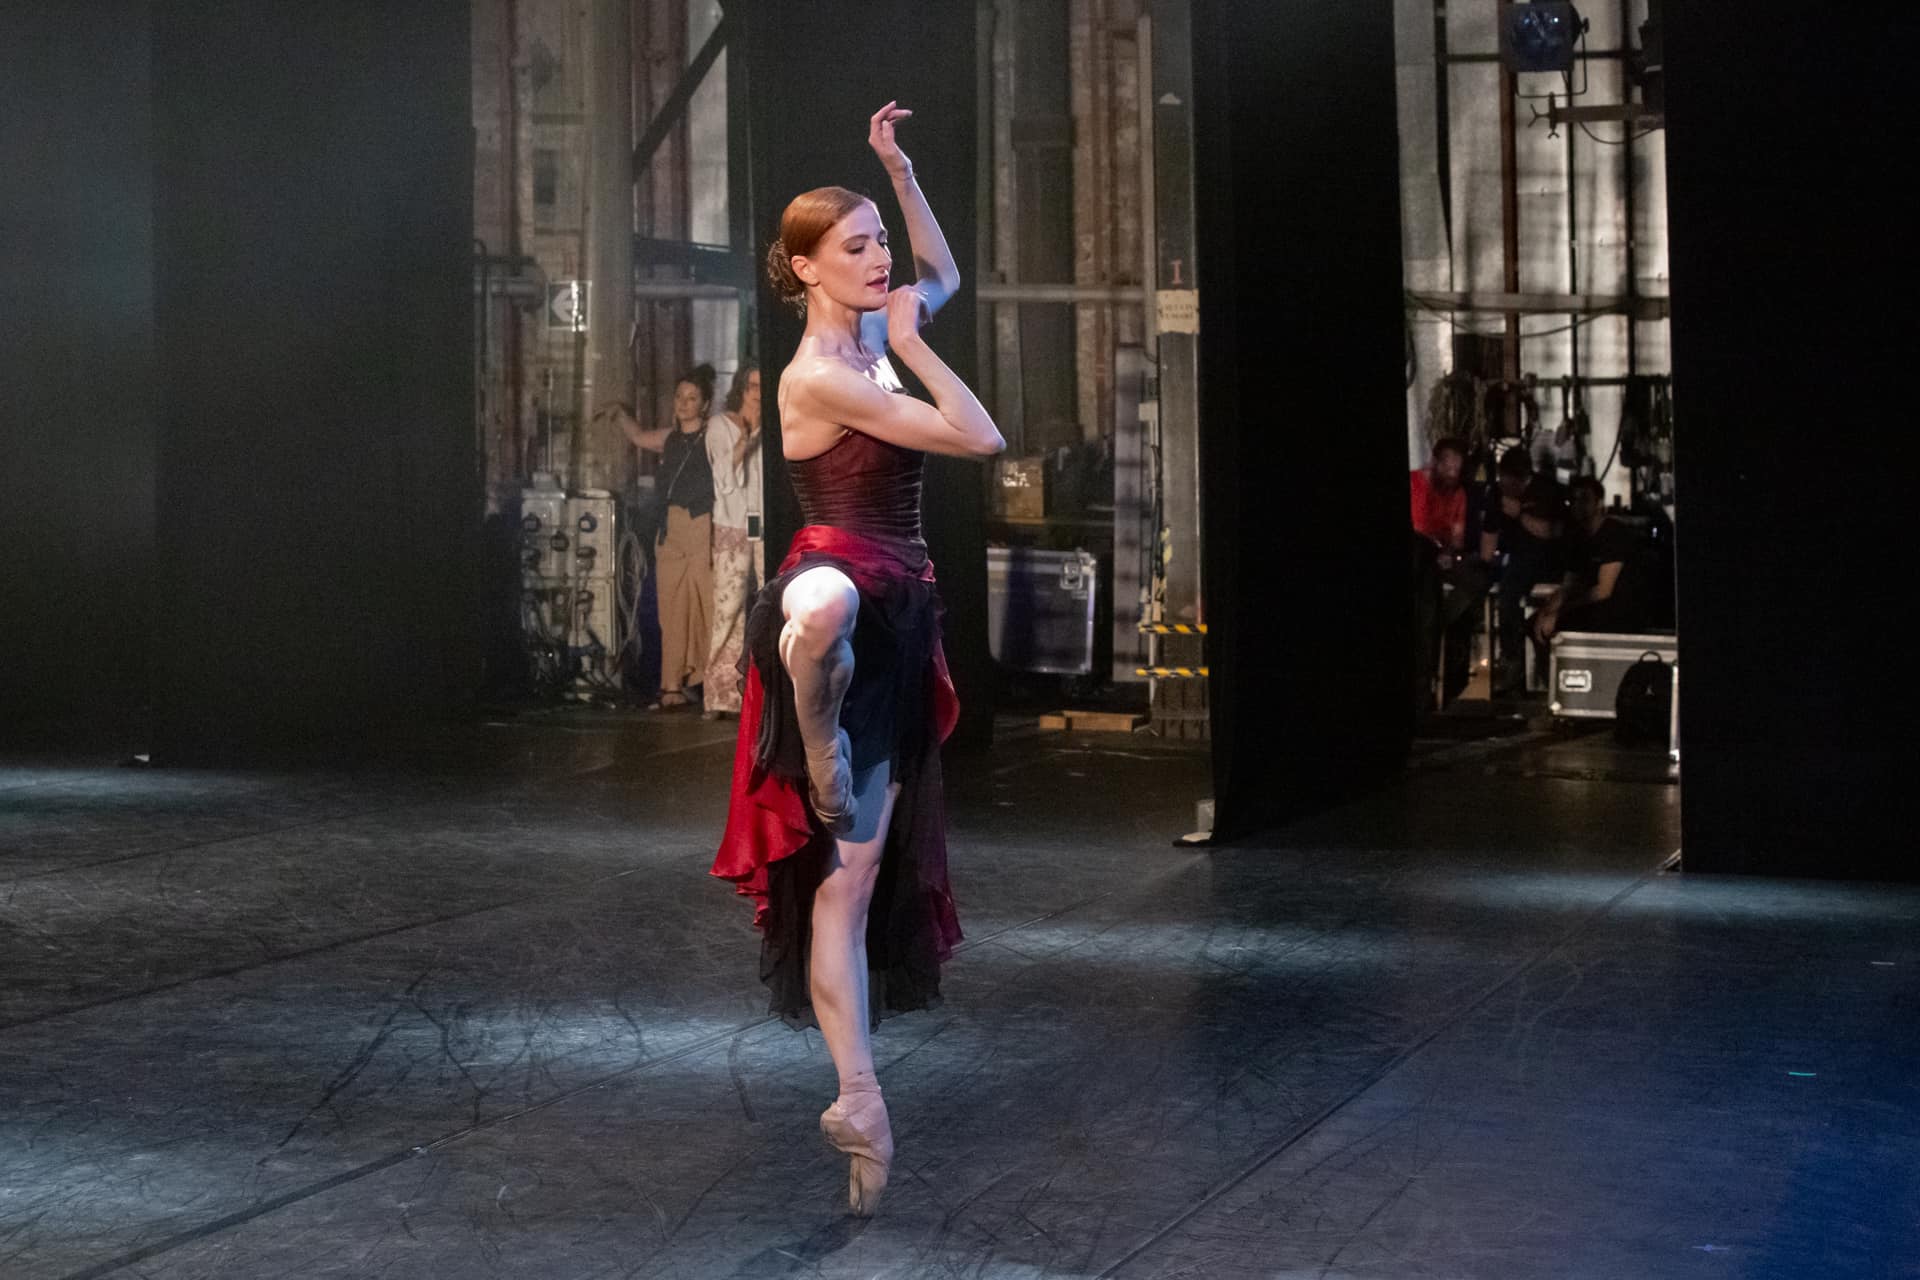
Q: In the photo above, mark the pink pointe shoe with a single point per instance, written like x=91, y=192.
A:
x=857, y=1124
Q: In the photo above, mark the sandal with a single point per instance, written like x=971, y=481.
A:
x=673, y=701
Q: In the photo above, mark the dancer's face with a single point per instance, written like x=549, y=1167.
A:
x=851, y=264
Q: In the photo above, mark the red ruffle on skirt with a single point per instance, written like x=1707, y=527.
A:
x=769, y=820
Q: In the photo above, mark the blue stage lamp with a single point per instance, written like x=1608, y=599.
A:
x=1539, y=36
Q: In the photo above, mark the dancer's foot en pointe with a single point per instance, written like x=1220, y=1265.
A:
x=830, y=784
x=857, y=1124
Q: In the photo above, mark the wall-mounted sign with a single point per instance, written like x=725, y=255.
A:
x=567, y=305
x=1176, y=310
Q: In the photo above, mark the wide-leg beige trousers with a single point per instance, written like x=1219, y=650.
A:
x=684, y=561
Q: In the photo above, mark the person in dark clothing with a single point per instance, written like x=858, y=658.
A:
x=1522, y=522
x=1607, y=581
x=684, y=553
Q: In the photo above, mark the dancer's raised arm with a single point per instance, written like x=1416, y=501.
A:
x=936, y=275
x=956, y=423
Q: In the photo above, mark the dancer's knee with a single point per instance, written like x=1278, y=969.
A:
x=848, y=889
x=821, y=607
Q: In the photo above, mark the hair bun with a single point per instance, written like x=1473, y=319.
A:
x=780, y=272
x=702, y=377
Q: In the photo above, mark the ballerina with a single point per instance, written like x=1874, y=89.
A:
x=836, y=825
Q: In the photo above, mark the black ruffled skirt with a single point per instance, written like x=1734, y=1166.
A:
x=898, y=709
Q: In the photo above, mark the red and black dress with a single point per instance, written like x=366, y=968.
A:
x=861, y=503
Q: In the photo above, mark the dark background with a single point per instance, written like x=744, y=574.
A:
x=241, y=492
x=816, y=73
x=77, y=444
x=319, y=485
x=1791, y=351
x=1302, y=407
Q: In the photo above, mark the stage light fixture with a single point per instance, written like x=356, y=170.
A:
x=1540, y=35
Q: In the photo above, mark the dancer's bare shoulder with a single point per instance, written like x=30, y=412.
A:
x=820, y=398
x=827, y=384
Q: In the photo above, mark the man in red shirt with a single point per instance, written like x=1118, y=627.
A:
x=1440, y=560
x=1439, y=499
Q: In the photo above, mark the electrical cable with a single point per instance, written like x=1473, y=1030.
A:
x=1450, y=316
x=1615, y=451
x=630, y=577
x=1613, y=142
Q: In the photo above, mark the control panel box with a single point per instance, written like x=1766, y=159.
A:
x=546, y=539
x=591, y=520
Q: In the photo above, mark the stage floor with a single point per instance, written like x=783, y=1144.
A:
x=492, y=1018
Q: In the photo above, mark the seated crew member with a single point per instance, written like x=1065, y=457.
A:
x=1521, y=526
x=1606, y=580
x=1441, y=559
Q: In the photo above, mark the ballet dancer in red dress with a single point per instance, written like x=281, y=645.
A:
x=836, y=827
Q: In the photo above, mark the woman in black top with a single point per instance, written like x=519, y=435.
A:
x=683, y=556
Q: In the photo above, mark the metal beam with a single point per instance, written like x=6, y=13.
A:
x=1642, y=308
x=709, y=263
x=1178, y=366
x=1618, y=113
x=1580, y=55
x=991, y=291
x=604, y=374
x=673, y=290
x=1509, y=234
x=676, y=104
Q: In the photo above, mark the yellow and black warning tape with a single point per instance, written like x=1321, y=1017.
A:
x=1173, y=673
x=1173, y=629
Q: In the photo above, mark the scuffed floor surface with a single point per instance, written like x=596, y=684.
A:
x=490, y=1017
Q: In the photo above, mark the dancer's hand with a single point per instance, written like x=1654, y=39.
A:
x=880, y=138
x=906, y=312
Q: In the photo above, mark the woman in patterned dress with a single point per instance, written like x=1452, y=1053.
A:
x=733, y=448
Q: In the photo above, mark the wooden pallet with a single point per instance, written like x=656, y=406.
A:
x=1092, y=721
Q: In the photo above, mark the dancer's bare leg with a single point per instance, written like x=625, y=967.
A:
x=837, y=963
x=837, y=970
x=816, y=647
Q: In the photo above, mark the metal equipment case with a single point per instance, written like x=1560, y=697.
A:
x=1040, y=609
x=1584, y=669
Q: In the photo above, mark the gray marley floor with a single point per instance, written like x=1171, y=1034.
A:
x=490, y=1017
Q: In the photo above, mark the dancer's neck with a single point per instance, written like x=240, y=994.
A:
x=834, y=330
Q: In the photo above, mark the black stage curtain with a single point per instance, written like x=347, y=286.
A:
x=76, y=329
x=1791, y=351
x=815, y=73
x=1302, y=403
x=318, y=488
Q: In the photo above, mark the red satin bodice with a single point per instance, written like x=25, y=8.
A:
x=862, y=485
